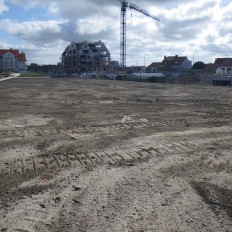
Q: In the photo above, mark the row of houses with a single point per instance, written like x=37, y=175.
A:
x=94, y=58
x=86, y=57
x=175, y=64
x=78, y=57
x=90, y=57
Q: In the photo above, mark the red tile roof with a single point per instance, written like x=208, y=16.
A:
x=20, y=56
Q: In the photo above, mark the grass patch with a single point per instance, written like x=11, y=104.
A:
x=32, y=74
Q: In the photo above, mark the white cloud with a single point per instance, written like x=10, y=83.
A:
x=44, y=31
x=186, y=26
x=3, y=7
x=95, y=24
x=27, y=4
x=46, y=54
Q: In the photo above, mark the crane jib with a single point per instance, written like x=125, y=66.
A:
x=124, y=5
x=134, y=7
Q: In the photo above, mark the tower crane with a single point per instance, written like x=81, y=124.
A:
x=124, y=5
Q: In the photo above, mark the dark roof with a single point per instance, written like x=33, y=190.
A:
x=210, y=68
x=174, y=60
x=227, y=62
x=155, y=65
x=170, y=58
x=219, y=62
x=181, y=59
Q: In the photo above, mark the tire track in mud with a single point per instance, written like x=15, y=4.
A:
x=22, y=133
x=114, y=156
x=111, y=156
x=39, y=132
x=211, y=120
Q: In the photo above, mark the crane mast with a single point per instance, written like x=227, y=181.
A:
x=124, y=5
x=123, y=35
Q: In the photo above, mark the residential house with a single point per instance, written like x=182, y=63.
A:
x=210, y=69
x=136, y=69
x=221, y=66
x=12, y=60
x=171, y=63
x=180, y=63
x=224, y=66
x=155, y=67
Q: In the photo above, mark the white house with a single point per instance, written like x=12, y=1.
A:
x=12, y=60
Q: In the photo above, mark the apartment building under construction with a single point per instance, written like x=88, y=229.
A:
x=86, y=57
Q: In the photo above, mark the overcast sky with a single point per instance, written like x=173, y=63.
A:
x=44, y=28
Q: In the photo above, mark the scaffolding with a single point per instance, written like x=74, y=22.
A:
x=86, y=57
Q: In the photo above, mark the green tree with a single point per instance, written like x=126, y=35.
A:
x=199, y=65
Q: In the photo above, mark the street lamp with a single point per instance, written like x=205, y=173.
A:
x=144, y=59
x=193, y=56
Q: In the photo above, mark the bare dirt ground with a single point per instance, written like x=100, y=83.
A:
x=94, y=155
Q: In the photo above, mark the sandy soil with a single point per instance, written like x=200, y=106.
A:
x=94, y=155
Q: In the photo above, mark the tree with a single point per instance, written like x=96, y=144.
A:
x=33, y=67
x=199, y=65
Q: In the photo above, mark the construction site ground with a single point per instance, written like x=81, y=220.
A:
x=114, y=156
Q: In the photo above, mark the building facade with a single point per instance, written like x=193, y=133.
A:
x=224, y=71
x=86, y=57
x=12, y=60
x=171, y=63
x=221, y=66
x=176, y=62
